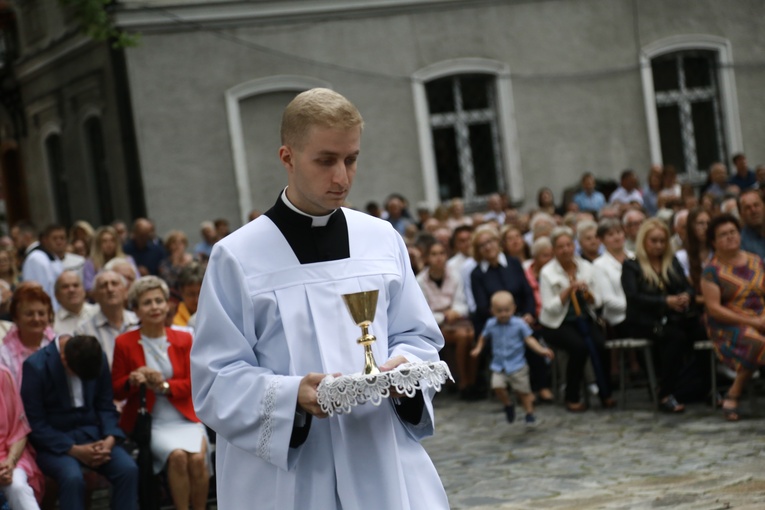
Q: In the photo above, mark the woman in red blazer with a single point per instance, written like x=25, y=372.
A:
x=159, y=357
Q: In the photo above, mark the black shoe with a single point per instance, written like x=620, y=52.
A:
x=510, y=413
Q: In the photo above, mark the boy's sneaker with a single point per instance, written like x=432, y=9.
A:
x=510, y=413
x=530, y=420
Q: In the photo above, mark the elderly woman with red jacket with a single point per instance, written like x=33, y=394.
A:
x=159, y=358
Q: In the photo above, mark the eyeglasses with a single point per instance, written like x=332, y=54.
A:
x=486, y=243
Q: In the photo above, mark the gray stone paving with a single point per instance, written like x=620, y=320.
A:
x=614, y=459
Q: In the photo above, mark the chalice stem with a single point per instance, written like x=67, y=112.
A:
x=370, y=367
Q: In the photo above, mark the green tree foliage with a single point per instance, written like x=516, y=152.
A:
x=98, y=24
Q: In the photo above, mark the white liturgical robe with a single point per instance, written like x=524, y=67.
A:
x=264, y=321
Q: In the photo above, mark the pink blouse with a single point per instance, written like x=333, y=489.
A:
x=14, y=427
x=13, y=353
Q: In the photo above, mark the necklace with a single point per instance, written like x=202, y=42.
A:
x=157, y=347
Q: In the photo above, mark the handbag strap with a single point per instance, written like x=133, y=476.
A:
x=143, y=408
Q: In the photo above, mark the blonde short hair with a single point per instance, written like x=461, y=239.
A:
x=317, y=107
x=483, y=230
x=502, y=297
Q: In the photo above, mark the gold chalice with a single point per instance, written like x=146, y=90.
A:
x=362, y=307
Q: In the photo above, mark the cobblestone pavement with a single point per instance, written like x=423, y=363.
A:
x=611, y=459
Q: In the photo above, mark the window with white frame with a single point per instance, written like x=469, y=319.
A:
x=466, y=140
x=688, y=110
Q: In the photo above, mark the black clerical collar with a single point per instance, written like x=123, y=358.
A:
x=311, y=244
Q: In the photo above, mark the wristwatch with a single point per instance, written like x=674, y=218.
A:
x=165, y=387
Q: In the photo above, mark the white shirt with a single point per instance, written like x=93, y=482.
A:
x=682, y=257
x=75, y=384
x=98, y=326
x=608, y=273
x=66, y=322
x=38, y=267
x=73, y=262
x=456, y=262
x=623, y=196
x=467, y=268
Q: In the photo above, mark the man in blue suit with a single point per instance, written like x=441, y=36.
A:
x=67, y=393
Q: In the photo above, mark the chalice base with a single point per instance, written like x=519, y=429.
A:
x=338, y=395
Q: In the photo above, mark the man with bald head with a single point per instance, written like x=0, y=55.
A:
x=112, y=319
x=144, y=247
x=70, y=294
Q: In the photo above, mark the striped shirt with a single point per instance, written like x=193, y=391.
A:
x=99, y=327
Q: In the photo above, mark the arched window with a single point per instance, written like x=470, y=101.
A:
x=96, y=154
x=253, y=108
x=690, y=103
x=463, y=121
x=60, y=184
x=468, y=140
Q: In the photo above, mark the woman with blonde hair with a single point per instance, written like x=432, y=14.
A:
x=81, y=231
x=457, y=216
x=659, y=307
x=104, y=247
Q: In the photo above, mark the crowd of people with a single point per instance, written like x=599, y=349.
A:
x=662, y=262
x=93, y=315
x=88, y=318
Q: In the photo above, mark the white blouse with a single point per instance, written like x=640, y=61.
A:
x=552, y=280
x=608, y=273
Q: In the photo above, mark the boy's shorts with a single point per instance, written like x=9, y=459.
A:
x=518, y=380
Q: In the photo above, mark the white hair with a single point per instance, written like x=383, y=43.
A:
x=628, y=213
x=679, y=216
x=541, y=217
x=585, y=226
x=539, y=245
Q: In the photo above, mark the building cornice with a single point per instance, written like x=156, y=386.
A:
x=168, y=15
x=37, y=61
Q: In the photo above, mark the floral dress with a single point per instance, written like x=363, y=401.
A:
x=742, y=290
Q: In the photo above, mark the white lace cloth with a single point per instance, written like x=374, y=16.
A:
x=337, y=395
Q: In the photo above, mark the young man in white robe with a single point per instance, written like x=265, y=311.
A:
x=272, y=324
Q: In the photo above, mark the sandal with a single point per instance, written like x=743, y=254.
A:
x=545, y=397
x=576, y=407
x=730, y=413
x=671, y=405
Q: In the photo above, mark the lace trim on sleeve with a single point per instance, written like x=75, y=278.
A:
x=267, y=412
